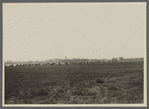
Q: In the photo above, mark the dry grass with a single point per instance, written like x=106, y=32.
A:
x=117, y=83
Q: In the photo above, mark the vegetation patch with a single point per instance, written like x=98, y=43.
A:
x=75, y=84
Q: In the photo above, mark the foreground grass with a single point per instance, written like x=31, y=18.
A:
x=117, y=83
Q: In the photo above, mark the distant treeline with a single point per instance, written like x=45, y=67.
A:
x=72, y=61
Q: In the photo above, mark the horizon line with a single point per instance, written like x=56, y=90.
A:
x=76, y=58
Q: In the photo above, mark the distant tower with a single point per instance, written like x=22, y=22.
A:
x=65, y=58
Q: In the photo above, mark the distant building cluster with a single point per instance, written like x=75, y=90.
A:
x=73, y=61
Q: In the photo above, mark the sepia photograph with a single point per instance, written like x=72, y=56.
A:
x=74, y=54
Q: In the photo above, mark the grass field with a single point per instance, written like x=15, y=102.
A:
x=108, y=83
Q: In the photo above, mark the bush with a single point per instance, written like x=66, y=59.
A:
x=99, y=81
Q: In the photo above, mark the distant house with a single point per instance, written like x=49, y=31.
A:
x=62, y=63
x=42, y=63
x=67, y=63
x=14, y=64
x=53, y=63
x=8, y=65
x=114, y=60
x=120, y=58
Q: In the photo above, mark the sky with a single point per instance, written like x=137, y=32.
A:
x=42, y=31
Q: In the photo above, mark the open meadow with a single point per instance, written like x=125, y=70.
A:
x=104, y=83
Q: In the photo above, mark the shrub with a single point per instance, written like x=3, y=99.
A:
x=99, y=81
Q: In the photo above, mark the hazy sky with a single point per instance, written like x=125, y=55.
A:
x=41, y=31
